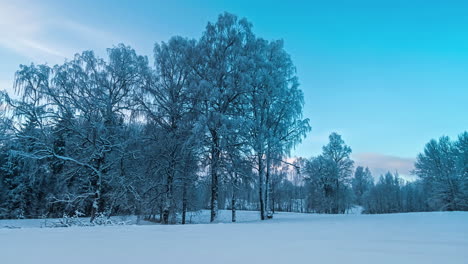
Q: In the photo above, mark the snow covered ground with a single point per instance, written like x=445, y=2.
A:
x=440, y=237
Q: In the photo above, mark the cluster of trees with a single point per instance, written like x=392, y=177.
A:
x=442, y=183
x=391, y=194
x=328, y=178
x=211, y=122
x=443, y=169
x=328, y=184
x=208, y=126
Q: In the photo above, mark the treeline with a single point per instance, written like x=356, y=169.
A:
x=329, y=184
x=202, y=128
x=442, y=184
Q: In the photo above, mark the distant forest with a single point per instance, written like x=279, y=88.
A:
x=208, y=125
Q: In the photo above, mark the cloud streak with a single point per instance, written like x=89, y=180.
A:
x=21, y=29
x=29, y=31
x=380, y=164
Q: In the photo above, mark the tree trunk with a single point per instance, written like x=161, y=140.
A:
x=260, y=186
x=184, y=203
x=233, y=198
x=161, y=208
x=273, y=201
x=138, y=212
x=268, y=190
x=168, y=197
x=233, y=208
x=215, y=156
x=96, y=207
x=337, y=201
x=452, y=203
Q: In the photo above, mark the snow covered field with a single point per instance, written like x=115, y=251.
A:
x=440, y=237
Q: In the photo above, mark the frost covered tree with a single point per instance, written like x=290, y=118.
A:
x=26, y=180
x=275, y=108
x=82, y=127
x=385, y=196
x=238, y=170
x=168, y=103
x=462, y=166
x=338, y=153
x=442, y=167
x=414, y=197
x=361, y=183
x=441, y=185
x=329, y=176
x=220, y=67
x=99, y=136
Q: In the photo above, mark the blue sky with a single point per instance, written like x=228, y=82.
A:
x=387, y=75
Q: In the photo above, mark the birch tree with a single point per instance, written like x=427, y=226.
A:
x=220, y=68
x=169, y=105
x=276, y=104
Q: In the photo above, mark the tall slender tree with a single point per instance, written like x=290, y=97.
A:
x=220, y=68
x=169, y=106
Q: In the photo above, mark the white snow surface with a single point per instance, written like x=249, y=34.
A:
x=438, y=237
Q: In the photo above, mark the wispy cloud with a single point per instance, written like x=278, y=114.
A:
x=380, y=164
x=32, y=32
x=21, y=29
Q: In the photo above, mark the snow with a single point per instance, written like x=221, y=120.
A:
x=199, y=217
x=438, y=237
